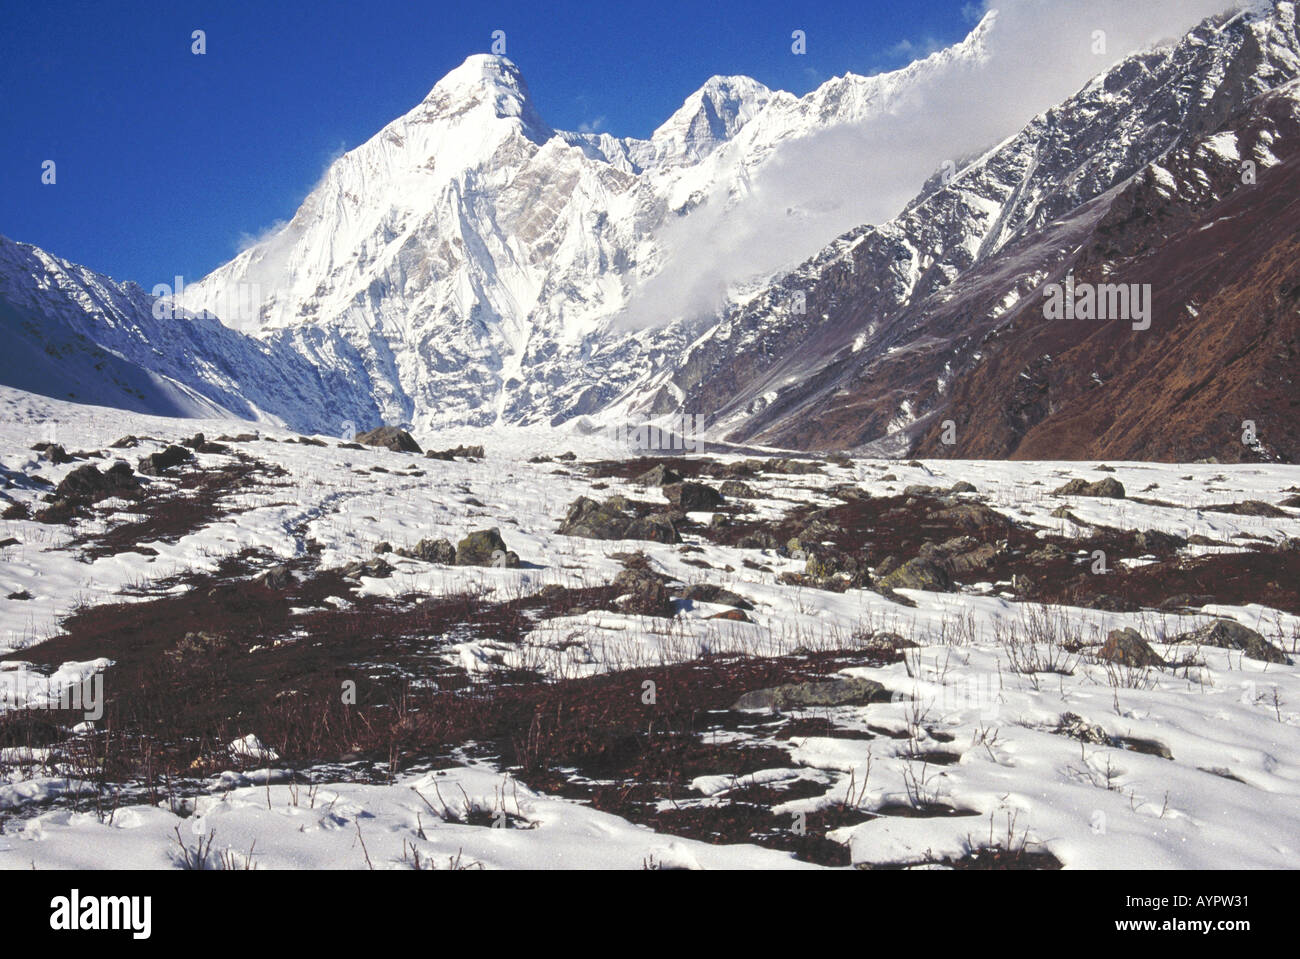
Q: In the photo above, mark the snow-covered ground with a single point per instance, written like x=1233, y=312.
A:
x=1228, y=797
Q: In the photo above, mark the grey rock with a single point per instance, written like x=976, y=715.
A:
x=1108, y=488
x=434, y=551
x=841, y=691
x=1230, y=634
x=277, y=577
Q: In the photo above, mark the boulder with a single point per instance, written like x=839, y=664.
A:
x=691, y=497
x=1154, y=541
x=88, y=484
x=1127, y=648
x=706, y=593
x=592, y=520
x=156, y=464
x=918, y=573
x=659, y=475
x=1230, y=634
x=485, y=547
x=840, y=691
x=277, y=577
x=438, y=551
x=390, y=438
x=1108, y=488
x=737, y=489
x=52, y=453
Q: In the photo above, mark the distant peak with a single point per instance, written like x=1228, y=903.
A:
x=713, y=113
x=483, y=70
x=486, y=79
x=738, y=84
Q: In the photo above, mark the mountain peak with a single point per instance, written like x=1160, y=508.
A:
x=484, y=70
x=486, y=79
x=712, y=114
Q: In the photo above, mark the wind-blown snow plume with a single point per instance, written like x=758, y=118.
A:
x=1023, y=57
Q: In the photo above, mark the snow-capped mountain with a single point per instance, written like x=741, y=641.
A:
x=77, y=335
x=471, y=265
x=480, y=262
x=895, y=315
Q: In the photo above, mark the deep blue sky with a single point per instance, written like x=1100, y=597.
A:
x=166, y=159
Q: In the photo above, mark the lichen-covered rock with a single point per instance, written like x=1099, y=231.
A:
x=485, y=547
x=737, y=489
x=918, y=573
x=609, y=520
x=841, y=691
x=645, y=593
x=431, y=551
